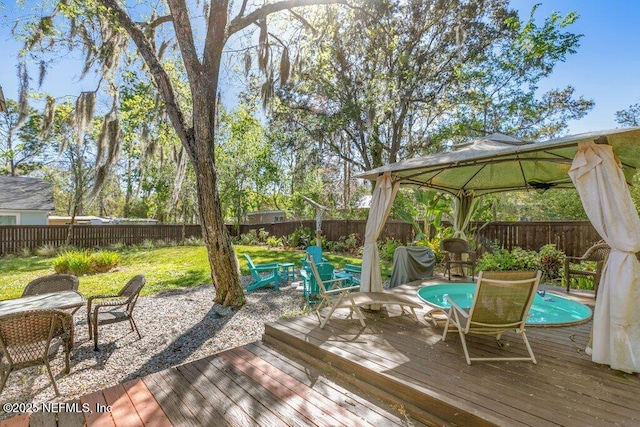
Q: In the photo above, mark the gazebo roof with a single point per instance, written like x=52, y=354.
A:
x=502, y=163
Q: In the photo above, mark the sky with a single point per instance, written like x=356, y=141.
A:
x=606, y=67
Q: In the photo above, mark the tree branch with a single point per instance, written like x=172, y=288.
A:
x=240, y=22
x=163, y=82
x=157, y=22
x=184, y=34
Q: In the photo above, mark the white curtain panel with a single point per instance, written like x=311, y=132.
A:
x=383, y=196
x=597, y=175
x=464, y=204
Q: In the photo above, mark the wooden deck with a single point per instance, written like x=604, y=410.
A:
x=394, y=372
x=406, y=363
x=252, y=385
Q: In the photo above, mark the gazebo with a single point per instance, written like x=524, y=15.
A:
x=599, y=165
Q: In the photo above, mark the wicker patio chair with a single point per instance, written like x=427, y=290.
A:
x=107, y=309
x=26, y=340
x=597, y=253
x=501, y=303
x=453, y=249
x=51, y=283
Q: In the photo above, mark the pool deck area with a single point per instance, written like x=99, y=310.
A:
x=393, y=372
x=406, y=363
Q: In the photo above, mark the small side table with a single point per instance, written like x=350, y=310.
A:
x=287, y=270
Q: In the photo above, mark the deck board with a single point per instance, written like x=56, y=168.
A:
x=314, y=378
x=255, y=398
x=393, y=372
x=564, y=388
x=148, y=409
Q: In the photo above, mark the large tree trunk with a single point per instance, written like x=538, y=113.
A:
x=225, y=271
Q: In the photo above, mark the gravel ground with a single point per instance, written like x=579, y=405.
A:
x=176, y=327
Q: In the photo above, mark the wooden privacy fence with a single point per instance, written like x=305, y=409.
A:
x=13, y=238
x=333, y=229
x=572, y=237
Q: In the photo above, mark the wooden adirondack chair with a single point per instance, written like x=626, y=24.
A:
x=263, y=275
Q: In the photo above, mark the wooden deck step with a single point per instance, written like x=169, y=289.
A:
x=246, y=386
x=406, y=362
x=425, y=406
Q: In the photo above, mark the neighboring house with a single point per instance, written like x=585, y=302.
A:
x=80, y=219
x=25, y=201
x=266, y=217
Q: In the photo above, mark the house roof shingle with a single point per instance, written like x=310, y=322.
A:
x=19, y=193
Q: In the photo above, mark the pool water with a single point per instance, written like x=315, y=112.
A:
x=547, y=309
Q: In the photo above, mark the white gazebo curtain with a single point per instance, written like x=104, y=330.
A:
x=383, y=196
x=464, y=204
x=597, y=175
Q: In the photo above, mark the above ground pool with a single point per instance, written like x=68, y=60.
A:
x=547, y=309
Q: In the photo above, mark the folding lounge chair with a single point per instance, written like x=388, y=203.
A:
x=335, y=296
x=501, y=303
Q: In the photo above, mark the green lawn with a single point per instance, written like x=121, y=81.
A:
x=165, y=268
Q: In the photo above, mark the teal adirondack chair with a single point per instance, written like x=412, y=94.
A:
x=263, y=274
x=316, y=254
x=311, y=287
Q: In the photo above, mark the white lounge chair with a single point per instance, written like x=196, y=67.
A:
x=335, y=295
x=501, y=303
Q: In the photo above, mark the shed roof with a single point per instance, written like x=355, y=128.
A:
x=19, y=193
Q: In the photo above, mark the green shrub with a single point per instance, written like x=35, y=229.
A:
x=117, y=246
x=104, y=261
x=72, y=262
x=434, y=245
x=496, y=260
x=83, y=262
x=46, y=250
x=273, y=242
x=388, y=248
x=525, y=260
x=193, y=241
x=301, y=237
x=263, y=235
x=551, y=262
x=249, y=238
x=351, y=244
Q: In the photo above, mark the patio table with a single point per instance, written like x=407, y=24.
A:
x=54, y=300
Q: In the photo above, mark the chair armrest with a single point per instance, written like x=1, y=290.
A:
x=91, y=298
x=454, y=305
x=340, y=290
x=266, y=267
x=332, y=283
